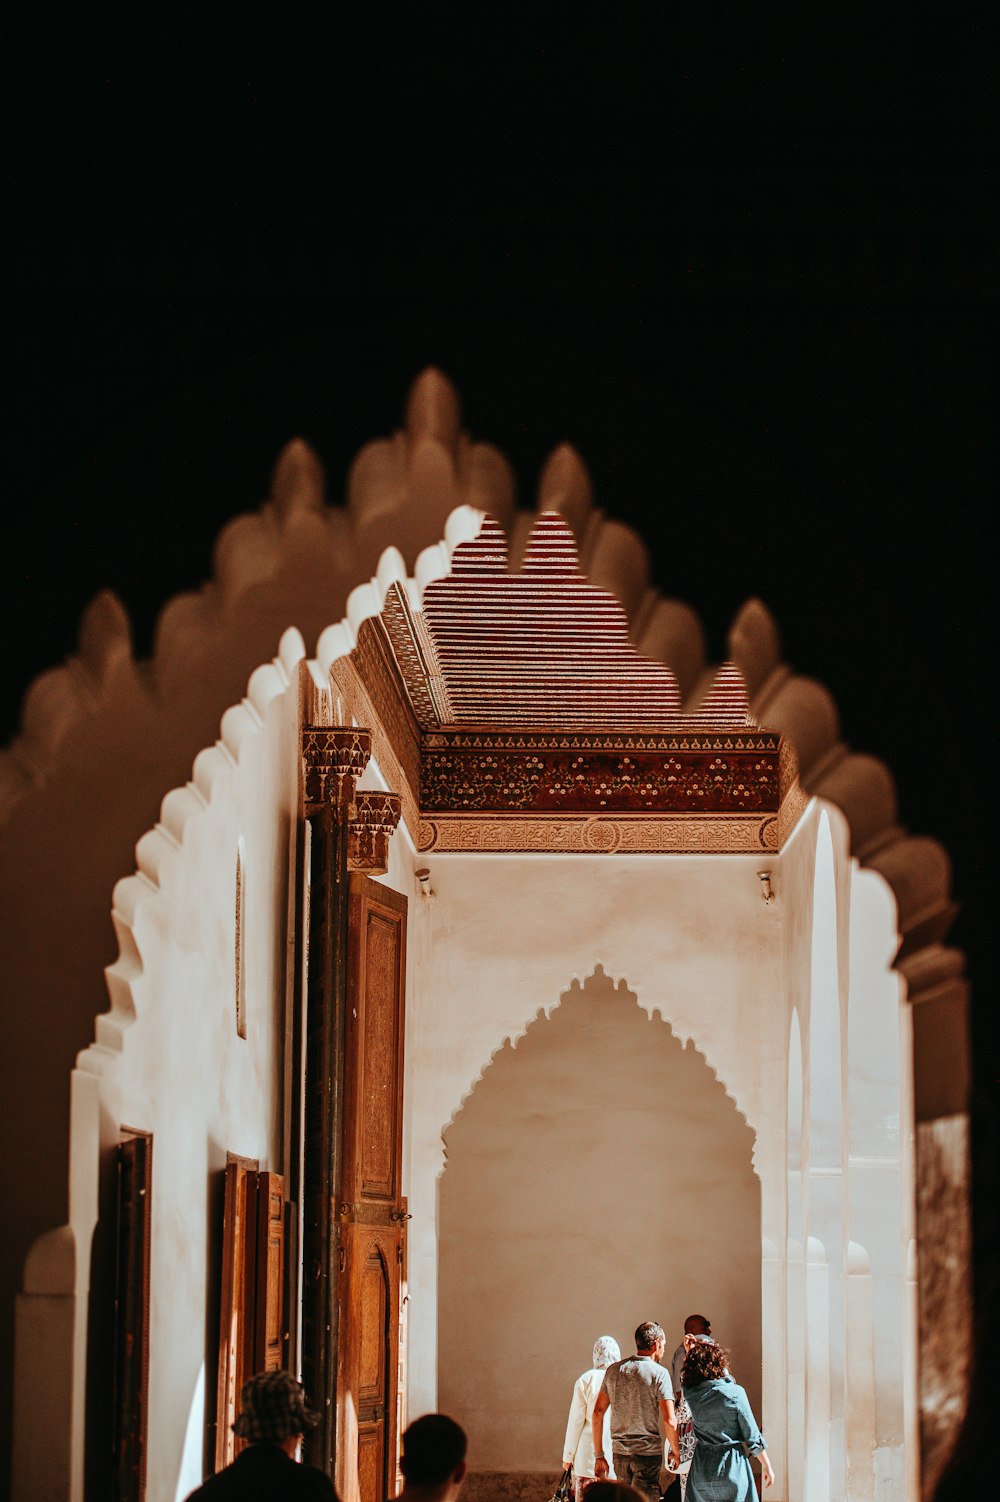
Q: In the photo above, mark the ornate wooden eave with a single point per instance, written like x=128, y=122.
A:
x=522, y=718
x=720, y=791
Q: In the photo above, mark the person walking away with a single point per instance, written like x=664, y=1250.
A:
x=695, y=1324
x=272, y=1419
x=432, y=1459
x=700, y=1325
x=578, y=1447
x=640, y=1397
x=725, y=1429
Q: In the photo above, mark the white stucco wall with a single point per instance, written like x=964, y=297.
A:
x=495, y=942
x=847, y=1311
x=597, y=1176
x=168, y=1059
x=502, y=938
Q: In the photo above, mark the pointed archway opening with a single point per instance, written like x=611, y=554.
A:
x=598, y=1175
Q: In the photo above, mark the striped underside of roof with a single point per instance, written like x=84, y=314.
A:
x=543, y=647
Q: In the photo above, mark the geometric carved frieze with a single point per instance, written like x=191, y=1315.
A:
x=373, y=823
x=333, y=756
x=718, y=774
x=661, y=834
x=417, y=660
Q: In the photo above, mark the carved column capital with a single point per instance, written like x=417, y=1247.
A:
x=374, y=821
x=333, y=757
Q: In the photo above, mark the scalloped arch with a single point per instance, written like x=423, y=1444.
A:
x=401, y=492
x=654, y=1013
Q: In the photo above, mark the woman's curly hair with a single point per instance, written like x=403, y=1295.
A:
x=704, y=1362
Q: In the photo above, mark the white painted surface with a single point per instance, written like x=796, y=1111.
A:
x=494, y=947
x=501, y=940
x=597, y=1176
x=169, y=1060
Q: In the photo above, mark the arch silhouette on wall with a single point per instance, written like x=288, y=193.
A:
x=597, y=1175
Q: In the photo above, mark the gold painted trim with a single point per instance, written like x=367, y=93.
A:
x=668, y=834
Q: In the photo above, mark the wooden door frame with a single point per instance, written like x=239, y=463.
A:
x=371, y=1214
x=231, y=1370
x=323, y=1044
x=129, y=1282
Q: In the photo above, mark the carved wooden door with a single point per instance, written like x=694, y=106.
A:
x=251, y=1333
x=371, y=1211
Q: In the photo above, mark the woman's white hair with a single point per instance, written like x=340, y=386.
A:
x=606, y=1350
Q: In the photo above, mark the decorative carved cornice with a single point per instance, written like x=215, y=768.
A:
x=571, y=779
x=416, y=655
x=676, y=834
x=373, y=824
x=333, y=757
x=487, y=738
x=486, y=700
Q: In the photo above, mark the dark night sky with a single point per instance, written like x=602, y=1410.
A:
x=745, y=263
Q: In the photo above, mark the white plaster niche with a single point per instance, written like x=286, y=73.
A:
x=597, y=1175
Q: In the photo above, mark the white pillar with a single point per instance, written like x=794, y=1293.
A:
x=795, y=1285
x=817, y=1384
x=859, y=1374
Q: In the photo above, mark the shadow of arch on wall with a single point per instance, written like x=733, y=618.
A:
x=597, y=1175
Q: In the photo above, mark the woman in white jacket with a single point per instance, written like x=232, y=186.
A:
x=578, y=1450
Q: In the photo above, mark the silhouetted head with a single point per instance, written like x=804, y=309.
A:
x=272, y=1409
x=434, y=1449
x=697, y=1324
x=614, y=1491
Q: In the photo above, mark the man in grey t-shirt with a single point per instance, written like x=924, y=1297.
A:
x=639, y=1393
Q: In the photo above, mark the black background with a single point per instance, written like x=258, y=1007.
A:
x=744, y=260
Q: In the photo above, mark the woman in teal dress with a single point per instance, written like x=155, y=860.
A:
x=725, y=1429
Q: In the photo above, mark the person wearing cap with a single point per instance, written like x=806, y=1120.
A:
x=432, y=1459
x=272, y=1419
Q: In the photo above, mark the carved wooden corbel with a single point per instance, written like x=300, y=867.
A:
x=333, y=756
x=376, y=816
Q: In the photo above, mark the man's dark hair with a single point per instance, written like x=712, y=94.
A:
x=433, y=1448
x=648, y=1333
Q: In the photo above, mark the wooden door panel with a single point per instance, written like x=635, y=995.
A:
x=379, y=1124
x=232, y=1319
x=371, y=1212
x=369, y=1373
x=371, y=1463
x=269, y=1291
x=374, y=1073
x=251, y=1329
x=373, y=1323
